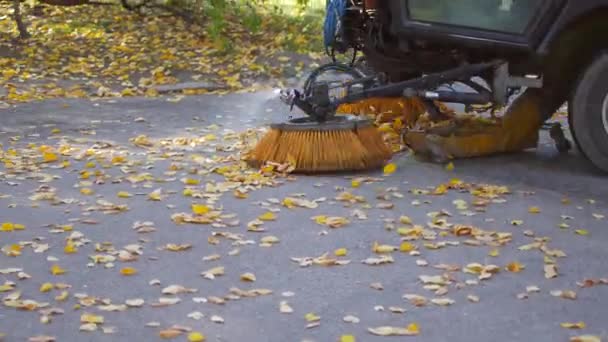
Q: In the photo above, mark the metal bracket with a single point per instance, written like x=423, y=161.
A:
x=503, y=81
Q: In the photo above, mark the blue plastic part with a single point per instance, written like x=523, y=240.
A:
x=335, y=10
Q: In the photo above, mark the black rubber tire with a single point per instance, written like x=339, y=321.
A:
x=587, y=111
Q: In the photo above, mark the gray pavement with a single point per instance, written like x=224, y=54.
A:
x=540, y=178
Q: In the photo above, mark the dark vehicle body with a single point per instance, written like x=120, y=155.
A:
x=559, y=47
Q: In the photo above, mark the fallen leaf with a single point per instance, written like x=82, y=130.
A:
x=213, y=272
x=534, y=210
x=347, y=338
x=390, y=168
x=135, y=303
x=170, y=333
x=406, y=247
x=57, y=270
x=46, y=287
x=267, y=216
x=351, y=319
x=515, y=267
x=311, y=317
x=392, y=331
x=195, y=337
x=177, y=289
x=577, y=325
x=585, y=338
x=248, y=277
x=91, y=318
x=217, y=319
x=128, y=271
x=566, y=294
x=341, y=252
x=382, y=249
x=582, y=232
x=285, y=308
x=383, y=259
x=442, y=301
x=550, y=271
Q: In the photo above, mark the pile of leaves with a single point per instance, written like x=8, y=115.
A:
x=96, y=50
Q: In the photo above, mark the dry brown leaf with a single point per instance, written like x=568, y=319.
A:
x=392, y=331
x=285, y=308
x=213, y=272
x=442, y=301
x=550, y=271
x=249, y=277
x=177, y=289
x=170, y=333
x=585, y=338
x=577, y=325
x=381, y=260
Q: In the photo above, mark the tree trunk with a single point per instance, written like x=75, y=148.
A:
x=23, y=34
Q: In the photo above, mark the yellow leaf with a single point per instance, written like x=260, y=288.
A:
x=577, y=325
x=169, y=333
x=190, y=181
x=340, y=252
x=440, y=190
x=127, y=271
x=188, y=192
x=494, y=253
x=582, y=232
x=200, y=209
x=450, y=167
x=240, y=195
x=63, y=296
x=355, y=183
x=321, y=219
x=155, y=195
x=405, y=220
x=7, y=227
x=57, y=270
x=267, y=216
x=517, y=222
x=90, y=165
x=196, y=337
x=49, y=157
x=311, y=317
x=406, y=247
x=249, y=277
x=347, y=338
x=390, y=168
x=382, y=249
x=91, y=318
x=70, y=248
x=123, y=194
x=46, y=287
x=55, y=131
x=118, y=160
x=86, y=191
x=515, y=267
x=267, y=169
x=413, y=327
x=534, y=210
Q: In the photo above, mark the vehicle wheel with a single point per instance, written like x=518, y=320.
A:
x=589, y=112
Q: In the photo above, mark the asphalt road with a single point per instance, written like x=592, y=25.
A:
x=540, y=178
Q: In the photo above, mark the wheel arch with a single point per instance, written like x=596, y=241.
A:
x=568, y=51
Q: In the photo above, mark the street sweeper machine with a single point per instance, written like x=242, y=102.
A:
x=519, y=60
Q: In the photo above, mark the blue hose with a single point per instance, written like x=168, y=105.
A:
x=335, y=10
